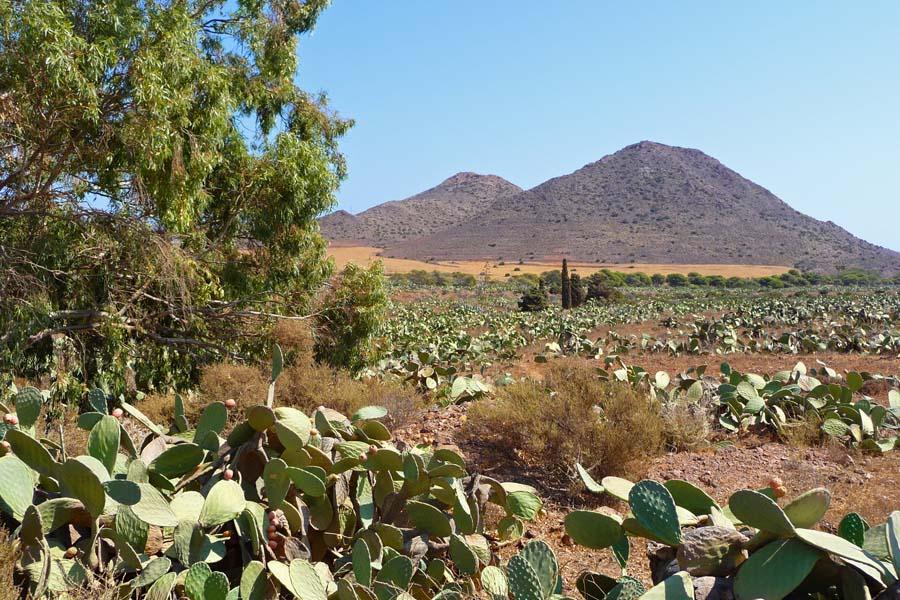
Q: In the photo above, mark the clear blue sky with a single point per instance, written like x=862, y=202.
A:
x=802, y=97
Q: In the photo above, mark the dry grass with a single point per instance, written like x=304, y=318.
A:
x=74, y=438
x=102, y=587
x=9, y=554
x=363, y=255
x=803, y=432
x=307, y=386
x=685, y=426
x=571, y=416
x=296, y=339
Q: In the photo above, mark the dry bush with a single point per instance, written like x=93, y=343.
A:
x=803, y=432
x=310, y=386
x=246, y=384
x=296, y=339
x=570, y=416
x=306, y=385
x=685, y=426
x=9, y=554
x=74, y=438
x=102, y=587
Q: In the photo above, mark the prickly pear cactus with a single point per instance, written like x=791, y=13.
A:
x=286, y=503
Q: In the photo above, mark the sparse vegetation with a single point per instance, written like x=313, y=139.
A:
x=197, y=404
x=569, y=417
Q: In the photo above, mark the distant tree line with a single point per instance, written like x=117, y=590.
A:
x=420, y=277
x=793, y=278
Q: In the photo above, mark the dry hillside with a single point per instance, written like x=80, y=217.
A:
x=453, y=201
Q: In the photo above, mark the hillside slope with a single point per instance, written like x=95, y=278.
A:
x=453, y=201
x=651, y=203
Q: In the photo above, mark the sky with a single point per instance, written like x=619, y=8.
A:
x=801, y=97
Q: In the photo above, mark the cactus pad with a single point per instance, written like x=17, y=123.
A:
x=853, y=528
x=28, y=406
x=893, y=539
x=82, y=482
x=177, y=460
x=32, y=452
x=523, y=581
x=369, y=412
x=97, y=399
x=626, y=588
x=594, y=586
x=463, y=556
x=293, y=427
x=493, y=580
x=654, y=509
x=593, y=529
x=688, y=496
x=153, y=508
x=759, y=511
x=306, y=481
x=679, y=586
x=807, y=509
x=212, y=420
x=775, y=570
x=428, y=518
x=589, y=482
x=541, y=558
x=851, y=553
x=523, y=504
x=224, y=502
x=103, y=441
x=617, y=487
x=254, y=583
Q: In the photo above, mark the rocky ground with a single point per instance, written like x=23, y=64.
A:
x=862, y=483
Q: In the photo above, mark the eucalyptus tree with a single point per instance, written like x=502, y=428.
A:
x=160, y=175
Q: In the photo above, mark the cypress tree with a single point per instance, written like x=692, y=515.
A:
x=566, y=286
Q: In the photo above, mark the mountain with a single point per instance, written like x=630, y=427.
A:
x=646, y=203
x=440, y=208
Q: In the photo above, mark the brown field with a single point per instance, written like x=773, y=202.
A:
x=365, y=254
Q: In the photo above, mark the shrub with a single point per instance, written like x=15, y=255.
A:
x=576, y=287
x=676, y=280
x=685, y=426
x=9, y=555
x=599, y=289
x=570, y=417
x=305, y=385
x=534, y=300
x=353, y=309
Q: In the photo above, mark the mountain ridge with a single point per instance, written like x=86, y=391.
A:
x=455, y=199
x=646, y=203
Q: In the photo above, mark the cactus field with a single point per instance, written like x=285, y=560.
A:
x=253, y=498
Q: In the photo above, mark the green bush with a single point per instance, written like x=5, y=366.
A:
x=534, y=300
x=353, y=309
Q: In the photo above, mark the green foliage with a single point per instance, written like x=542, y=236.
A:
x=439, y=279
x=676, y=280
x=297, y=505
x=159, y=184
x=755, y=549
x=566, y=284
x=354, y=307
x=534, y=300
x=577, y=291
